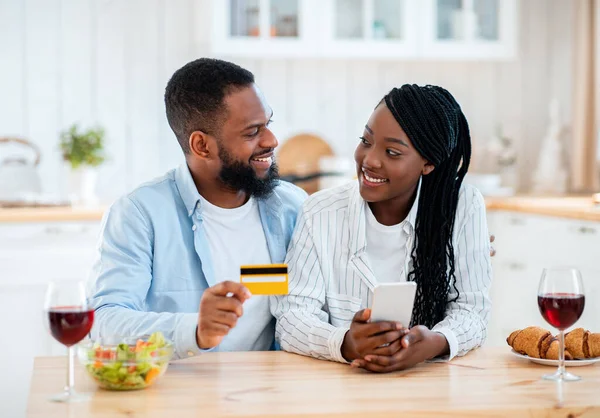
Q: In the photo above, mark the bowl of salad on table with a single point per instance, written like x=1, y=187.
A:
x=126, y=363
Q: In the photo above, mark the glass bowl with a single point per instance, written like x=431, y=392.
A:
x=126, y=363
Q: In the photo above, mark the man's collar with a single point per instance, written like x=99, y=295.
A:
x=187, y=188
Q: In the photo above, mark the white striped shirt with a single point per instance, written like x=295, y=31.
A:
x=330, y=278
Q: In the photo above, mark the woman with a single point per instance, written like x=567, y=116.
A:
x=409, y=217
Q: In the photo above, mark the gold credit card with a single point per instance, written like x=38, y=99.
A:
x=267, y=279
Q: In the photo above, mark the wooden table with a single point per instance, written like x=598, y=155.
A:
x=489, y=382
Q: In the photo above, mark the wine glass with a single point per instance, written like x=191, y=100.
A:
x=70, y=319
x=561, y=300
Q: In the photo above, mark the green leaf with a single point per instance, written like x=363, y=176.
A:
x=82, y=147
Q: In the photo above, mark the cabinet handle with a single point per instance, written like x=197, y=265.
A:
x=57, y=230
x=586, y=230
x=516, y=266
x=517, y=221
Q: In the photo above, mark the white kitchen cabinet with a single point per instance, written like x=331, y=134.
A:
x=469, y=29
x=31, y=255
x=265, y=28
x=526, y=244
x=376, y=29
x=369, y=29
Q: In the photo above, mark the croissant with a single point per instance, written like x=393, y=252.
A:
x=582, y=344
x=537, y=342
x=528, y=341
x=594, y=344
x=550, y=349
x=575, y=341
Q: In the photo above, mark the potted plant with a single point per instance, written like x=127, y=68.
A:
x=83, y=151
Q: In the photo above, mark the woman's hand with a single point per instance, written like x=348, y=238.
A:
x=364, y=337
x=418, y=345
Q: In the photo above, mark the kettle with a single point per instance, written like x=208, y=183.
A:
x=19, y=177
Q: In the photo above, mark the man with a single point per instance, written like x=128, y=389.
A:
x=171, y=250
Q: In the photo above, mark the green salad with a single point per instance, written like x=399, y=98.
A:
x=129, y=366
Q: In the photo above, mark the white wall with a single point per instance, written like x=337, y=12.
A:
x=107, y=61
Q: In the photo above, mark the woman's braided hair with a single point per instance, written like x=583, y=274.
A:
x=437, y=128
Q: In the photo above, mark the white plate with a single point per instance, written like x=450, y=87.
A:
x=568, y=363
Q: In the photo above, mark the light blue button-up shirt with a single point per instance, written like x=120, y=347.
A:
x=153, y=262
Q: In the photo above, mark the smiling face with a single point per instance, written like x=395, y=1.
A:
x=240, y=155
x=245, y=135
x=246, y=144
x=387, y=164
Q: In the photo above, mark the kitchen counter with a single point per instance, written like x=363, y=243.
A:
x=489, y=382
x=572, y=207
x=51, y=214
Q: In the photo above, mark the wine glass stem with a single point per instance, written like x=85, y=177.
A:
x=70, y=371
x=561, y=353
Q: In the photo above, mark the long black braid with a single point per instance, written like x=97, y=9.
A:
x=437, y=128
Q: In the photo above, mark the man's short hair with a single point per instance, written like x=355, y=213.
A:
x=194, y=96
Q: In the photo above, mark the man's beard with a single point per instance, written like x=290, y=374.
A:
x=239, y=176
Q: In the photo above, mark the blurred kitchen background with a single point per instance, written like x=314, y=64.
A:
x=82, y=122
x=323, y=66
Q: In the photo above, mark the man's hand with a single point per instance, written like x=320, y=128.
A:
x=363, y=338
x=492, y=249
x=418, y=345
x=220, y=308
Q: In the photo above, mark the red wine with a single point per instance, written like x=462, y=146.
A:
x=561, y=310
x=70, y=324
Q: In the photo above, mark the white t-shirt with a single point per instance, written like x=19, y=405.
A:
x=235, y=238
x=386, y=248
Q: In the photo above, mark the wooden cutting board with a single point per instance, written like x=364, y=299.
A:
x=300, y=155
